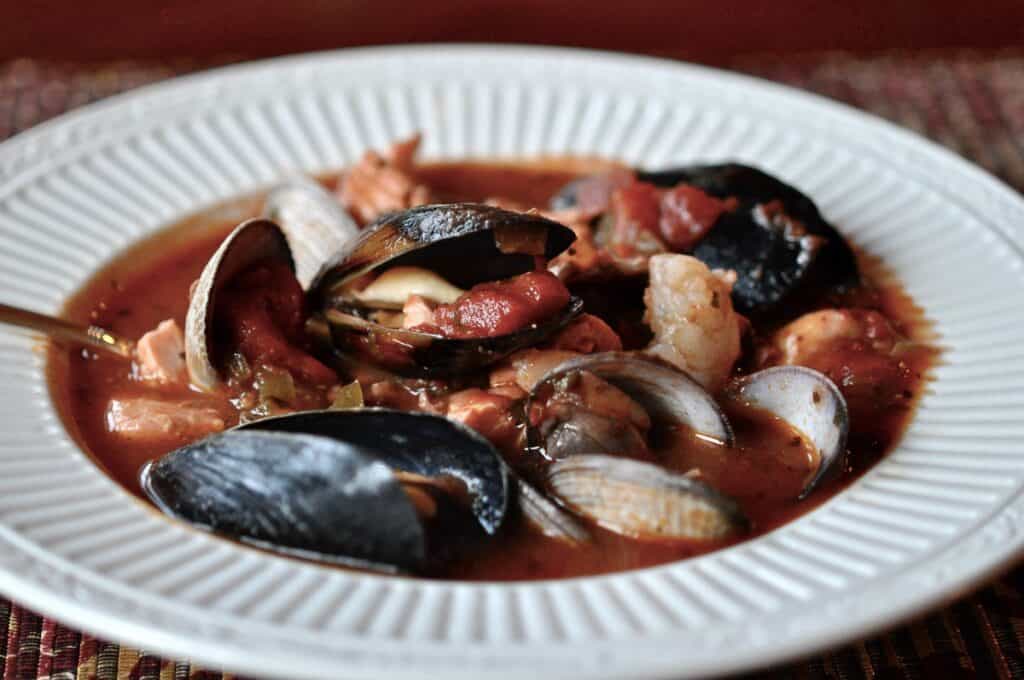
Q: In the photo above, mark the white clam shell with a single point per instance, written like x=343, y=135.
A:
x=252, y=241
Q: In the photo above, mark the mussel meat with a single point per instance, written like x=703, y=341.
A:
x=439, y=252
x=809, y=402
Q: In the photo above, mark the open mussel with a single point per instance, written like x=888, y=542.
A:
x=613, y=402
x=356, y=487
x=642, y=500
x=810, y=403
x=775, y=241
x=304, y=495
x=417, y=443
x=420, y=291
x=251, y=243
x=313, y=221
x=772, y=235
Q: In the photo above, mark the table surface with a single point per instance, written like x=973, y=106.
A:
x=972, y=102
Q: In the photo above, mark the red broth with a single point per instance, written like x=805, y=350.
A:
x=763, y=473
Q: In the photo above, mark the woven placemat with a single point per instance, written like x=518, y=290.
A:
x=971, y=102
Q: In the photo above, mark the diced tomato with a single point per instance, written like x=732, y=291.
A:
x=263, y=312
x=687, y=214
x=502, y=307
x=636, y=211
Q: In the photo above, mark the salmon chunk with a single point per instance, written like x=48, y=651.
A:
x=151, y=420
x=160, y=354
x=489, y=414
x=382, y=183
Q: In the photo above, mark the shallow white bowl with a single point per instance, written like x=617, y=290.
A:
x=941, y=512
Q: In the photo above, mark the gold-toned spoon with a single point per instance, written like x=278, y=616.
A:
x=94, y=336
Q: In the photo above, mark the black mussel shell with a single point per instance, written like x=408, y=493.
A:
x=303, y=495
x=466, y=243
x=771, y=261
x=773, y=255
x=416, y=354
x=413, y=442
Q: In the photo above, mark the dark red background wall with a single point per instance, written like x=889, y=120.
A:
x=701, y=29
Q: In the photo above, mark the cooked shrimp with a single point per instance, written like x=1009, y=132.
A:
x=689, y=309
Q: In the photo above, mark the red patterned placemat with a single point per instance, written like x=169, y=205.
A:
x=970, y=102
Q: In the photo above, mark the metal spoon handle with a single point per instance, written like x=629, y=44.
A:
x=60, y=329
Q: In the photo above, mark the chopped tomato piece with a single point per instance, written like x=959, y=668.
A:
x=502, y=307
x=687, y=214
x=264, y=314
x=636, y=211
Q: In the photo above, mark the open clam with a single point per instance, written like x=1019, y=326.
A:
x=642, y=500
x=550, y=519
x=666, y=395
x=314, y=223
x=809, y=402
x=349, y=487
x=251, y=243
x=591, y=418
x=437, y=252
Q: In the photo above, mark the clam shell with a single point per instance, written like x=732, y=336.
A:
x=303, y=495
x=251, y=242
x=669, y=396
x=642, y=500
x=314, y=223
x=808, y=401
x=547, y=517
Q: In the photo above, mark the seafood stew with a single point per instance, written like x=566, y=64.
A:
x=496, y=371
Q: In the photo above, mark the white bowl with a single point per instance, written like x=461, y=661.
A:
x=938, y=514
